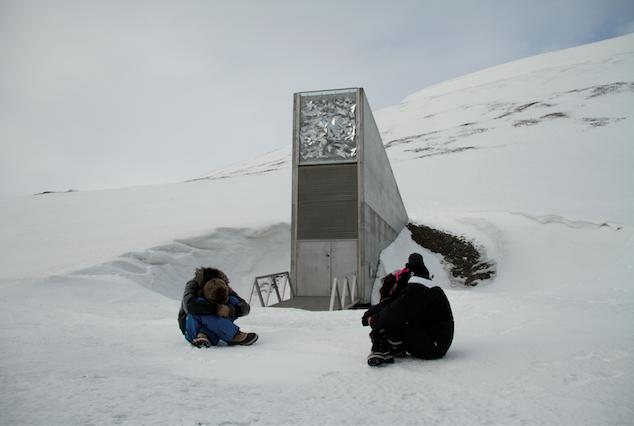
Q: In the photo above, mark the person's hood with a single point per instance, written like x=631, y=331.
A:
x=204, y=274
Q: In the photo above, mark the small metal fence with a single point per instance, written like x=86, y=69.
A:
x=269, y=284
x=346, y=289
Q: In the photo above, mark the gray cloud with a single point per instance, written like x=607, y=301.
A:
x=104, y=94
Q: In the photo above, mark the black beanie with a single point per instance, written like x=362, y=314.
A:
x=416, y=265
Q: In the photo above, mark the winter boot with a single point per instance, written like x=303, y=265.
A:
x=201, y=341
x=398, y=349
x=244, y=339
x=381, y=350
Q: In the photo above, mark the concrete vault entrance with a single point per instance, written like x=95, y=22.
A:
x=346, y=204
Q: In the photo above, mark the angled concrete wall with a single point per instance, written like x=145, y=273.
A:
x=383, y=209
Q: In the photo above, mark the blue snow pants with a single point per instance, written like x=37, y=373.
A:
x=217, y=328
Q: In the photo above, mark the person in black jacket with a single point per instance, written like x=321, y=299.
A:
x=203, y=322
x=414, y=316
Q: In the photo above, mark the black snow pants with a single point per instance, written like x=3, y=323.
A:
x=415, y=340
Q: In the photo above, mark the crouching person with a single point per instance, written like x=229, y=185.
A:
x=414, y=316
x=209, y=308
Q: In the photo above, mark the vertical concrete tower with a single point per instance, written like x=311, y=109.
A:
x=346, y=204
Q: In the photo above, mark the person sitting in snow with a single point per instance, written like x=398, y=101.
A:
x=209, y=308
x=414, y=316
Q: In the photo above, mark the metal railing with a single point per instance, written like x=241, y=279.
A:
x=271, y=285
x=345, y=290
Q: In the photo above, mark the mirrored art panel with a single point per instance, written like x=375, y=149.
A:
x=328, y=130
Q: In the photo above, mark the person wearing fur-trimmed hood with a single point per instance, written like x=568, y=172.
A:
x=205, y=321
x=414, y=316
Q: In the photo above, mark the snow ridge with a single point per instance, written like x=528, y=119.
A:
x=165, y=269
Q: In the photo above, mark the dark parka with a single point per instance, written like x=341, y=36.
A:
x=417, y=302
x=192, y=305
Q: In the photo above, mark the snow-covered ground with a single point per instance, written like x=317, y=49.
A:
x=533, y=160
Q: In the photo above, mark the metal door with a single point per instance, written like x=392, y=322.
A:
x=318, y=262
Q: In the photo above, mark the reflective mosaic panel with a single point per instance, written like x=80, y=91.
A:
x=328, y=130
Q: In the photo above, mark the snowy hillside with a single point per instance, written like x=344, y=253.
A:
x=532, y=160
x=558, y=128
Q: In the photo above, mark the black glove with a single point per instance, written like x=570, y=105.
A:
x=373, y=310
x=364, y=319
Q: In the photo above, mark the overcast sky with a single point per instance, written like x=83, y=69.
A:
x=104, y=94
